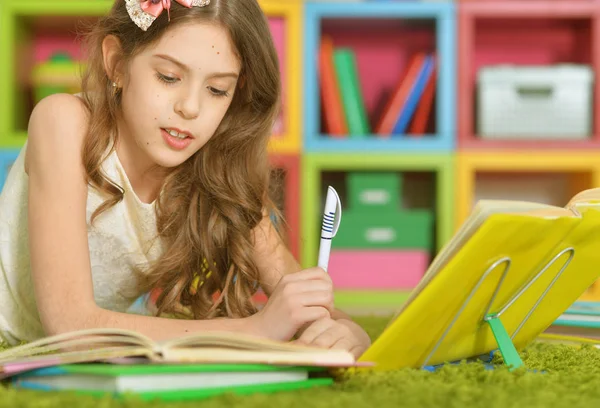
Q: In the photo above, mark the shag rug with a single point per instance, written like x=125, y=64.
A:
x=570, y=379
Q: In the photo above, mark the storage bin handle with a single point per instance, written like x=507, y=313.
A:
x=529, y=91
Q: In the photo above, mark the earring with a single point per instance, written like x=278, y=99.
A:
x=115, y=87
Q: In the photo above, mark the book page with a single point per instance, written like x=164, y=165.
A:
x=216, y=355
x=77, y=340
x=232, y=341
x=591, y=196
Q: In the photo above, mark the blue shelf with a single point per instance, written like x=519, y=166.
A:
x=444, y=16
x=7, y=158
x=374, y=143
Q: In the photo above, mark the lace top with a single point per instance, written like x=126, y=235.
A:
x=121, y=238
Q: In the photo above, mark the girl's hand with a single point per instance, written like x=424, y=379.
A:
x=298, y=299
x=336, y=334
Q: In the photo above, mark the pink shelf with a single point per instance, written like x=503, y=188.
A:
x=289, y=166
x=278, y=32
x=531, y=8
x=524, y=32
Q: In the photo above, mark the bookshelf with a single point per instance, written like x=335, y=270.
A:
x=443, y=170
x=432, y=174
x=28, y=26
x=582, y=169
x=532, y=32
x=21, y=24
x=382, y=53
x=382, y=38
x=285, y=18
x=544, y=167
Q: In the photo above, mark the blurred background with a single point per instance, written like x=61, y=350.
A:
x=412, y=110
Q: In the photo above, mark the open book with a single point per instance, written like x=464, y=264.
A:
x=523, y=263
x=206, y=348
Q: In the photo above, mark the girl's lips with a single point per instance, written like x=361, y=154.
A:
x=176, y=142
x=183, y=132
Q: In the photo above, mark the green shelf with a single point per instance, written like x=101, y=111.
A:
x=313, y=164
x=12, y=31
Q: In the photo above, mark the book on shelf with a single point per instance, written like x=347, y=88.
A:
x=418, y=126
x=414, y=98
x=346, y=69
x=508, y=273
x=333, y=110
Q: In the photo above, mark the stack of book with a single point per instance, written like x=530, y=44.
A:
x=344, y=115
x=120, y=362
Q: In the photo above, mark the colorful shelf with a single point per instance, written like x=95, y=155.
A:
x=583, y=166
x=286, y=20
x=530, y=32
x=382, y=51
x=465, y=35
x=16, y=17
x=314, y=164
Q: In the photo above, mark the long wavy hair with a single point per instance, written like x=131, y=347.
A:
x=210, y=204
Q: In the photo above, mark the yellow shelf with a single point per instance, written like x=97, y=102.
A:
x=470, y=163
x=291, y=11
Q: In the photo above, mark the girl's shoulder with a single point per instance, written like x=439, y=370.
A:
x=57, y=120
x=64, y=110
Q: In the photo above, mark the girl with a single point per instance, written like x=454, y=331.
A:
x=156, y=171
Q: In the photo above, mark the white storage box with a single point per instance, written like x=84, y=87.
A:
x=535, y=102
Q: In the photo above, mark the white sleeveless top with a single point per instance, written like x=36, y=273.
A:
x=122, y=237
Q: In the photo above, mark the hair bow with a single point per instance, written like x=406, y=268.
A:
x=144, y=12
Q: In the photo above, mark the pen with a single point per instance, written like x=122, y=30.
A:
x=332, y=216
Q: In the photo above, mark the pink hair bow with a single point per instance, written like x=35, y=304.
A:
x=144, y=12
x=155, y=7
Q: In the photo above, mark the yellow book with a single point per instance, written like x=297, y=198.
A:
x=519, y=264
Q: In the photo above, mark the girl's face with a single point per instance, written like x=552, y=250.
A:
x=176, y=94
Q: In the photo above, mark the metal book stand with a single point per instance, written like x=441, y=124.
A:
x=505, y=345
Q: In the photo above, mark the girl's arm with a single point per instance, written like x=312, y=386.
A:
x=60, y=262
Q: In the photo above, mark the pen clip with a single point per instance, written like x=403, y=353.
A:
x=332, y=194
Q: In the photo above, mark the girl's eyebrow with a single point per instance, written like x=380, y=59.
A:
x=186, y=68
x=173, y=60
x=224, y=75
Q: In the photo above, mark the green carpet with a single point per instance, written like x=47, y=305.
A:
x=571, y=379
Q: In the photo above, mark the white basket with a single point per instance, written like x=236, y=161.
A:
x=551, y=102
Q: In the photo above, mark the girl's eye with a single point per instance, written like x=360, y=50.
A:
x=217, y=92
x=166, y=79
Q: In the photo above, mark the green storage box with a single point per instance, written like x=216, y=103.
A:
x=369, y=191
x=412, y=229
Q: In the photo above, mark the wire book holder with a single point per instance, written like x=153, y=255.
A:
x=503, y=339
